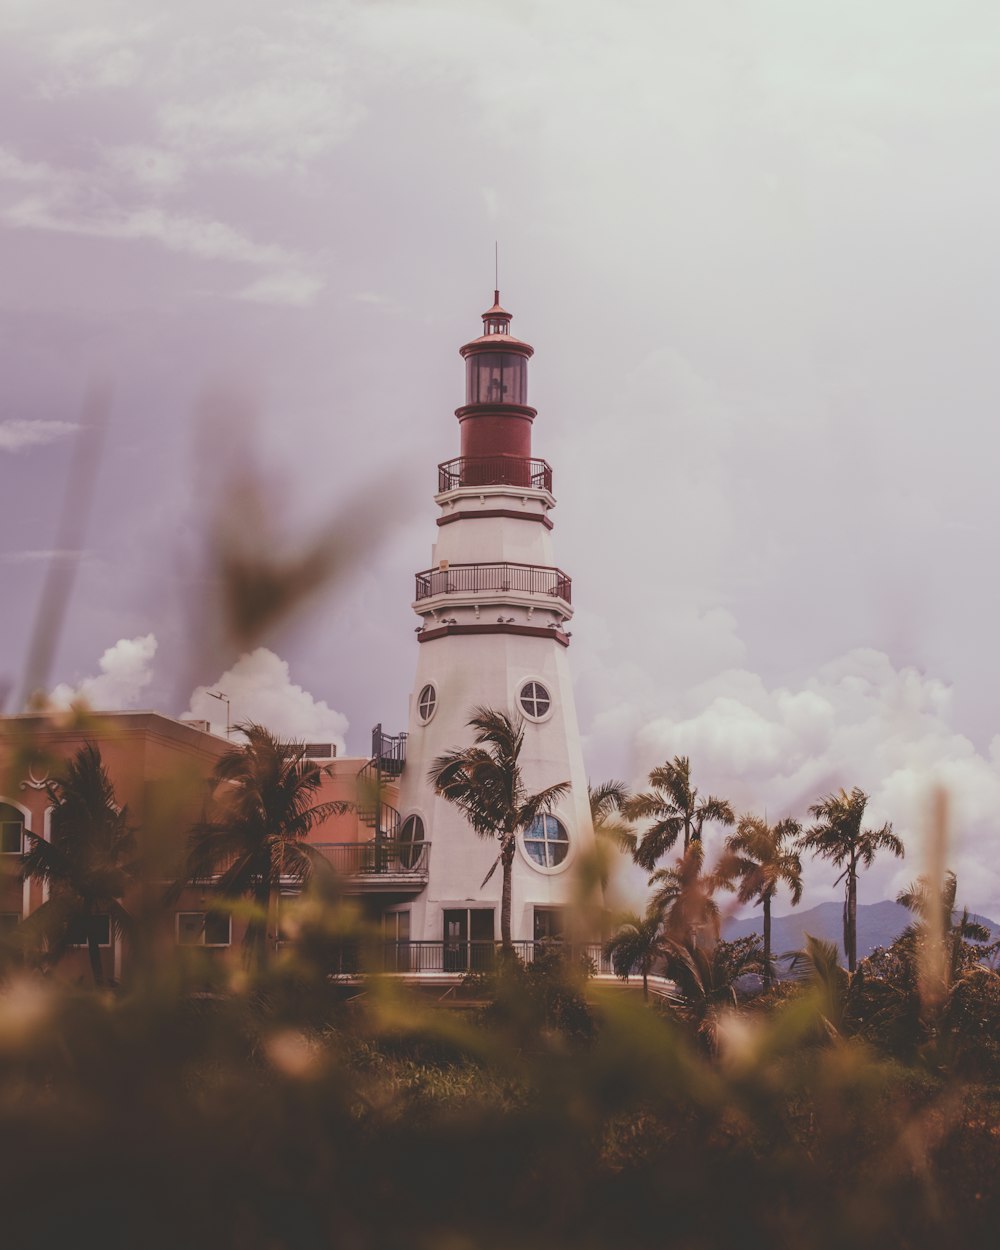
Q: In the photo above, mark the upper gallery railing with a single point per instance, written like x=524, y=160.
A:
x=362, y=859
x=495, y=471
x=533, y=579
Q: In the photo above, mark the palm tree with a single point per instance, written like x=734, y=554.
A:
x=706, y=976
x=484, y=782
x=264, y=791
x=637, y=944
x=606, y=803
x=759, y=858
x=675, y=809
x=956, y=932
x=818, y=963
x=840, y=838
x=89, y=863
x=684, y=897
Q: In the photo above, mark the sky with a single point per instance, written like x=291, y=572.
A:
x=754, y=247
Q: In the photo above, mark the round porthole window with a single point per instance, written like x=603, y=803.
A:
x=547, y=841
x=535, y=700
x=427, y=703
x=410, y=837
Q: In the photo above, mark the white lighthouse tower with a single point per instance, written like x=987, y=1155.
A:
x=493, y=610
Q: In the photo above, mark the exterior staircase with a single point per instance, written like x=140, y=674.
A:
x=387, y=762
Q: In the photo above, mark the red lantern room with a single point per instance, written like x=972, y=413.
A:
x=495, y=419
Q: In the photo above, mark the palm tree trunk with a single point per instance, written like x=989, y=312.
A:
x=768, y=979
x=507, y=867
x=851, y=920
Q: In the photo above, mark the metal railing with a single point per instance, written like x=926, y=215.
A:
x=495, y=471
x=375, y=858
x=532, y=579
x=388, y=751
x=456, y=957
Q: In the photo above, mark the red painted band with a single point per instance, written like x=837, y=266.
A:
x=485, y=512
x=530, y=631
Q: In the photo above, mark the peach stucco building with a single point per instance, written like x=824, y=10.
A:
x=160, y=769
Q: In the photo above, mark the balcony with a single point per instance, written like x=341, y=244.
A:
x=505, y=578
x=494, y=471
x=379, y=865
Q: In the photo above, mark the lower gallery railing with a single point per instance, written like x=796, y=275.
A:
x=456, y=957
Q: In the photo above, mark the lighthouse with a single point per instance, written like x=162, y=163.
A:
x=493, y=611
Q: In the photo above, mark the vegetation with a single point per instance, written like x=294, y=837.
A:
x=484, y=782
x=88, y=864
x=839, y=837
x=760, y=860
x=673, y=805
x=263, y=810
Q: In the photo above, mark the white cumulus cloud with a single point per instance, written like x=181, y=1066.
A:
x=260, y=689
x=858, y=721
x=125, y=672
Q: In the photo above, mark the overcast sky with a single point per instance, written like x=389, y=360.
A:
x=754, y=245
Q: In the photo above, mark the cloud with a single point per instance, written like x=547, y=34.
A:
x=87, y=203
x=16, y=435
x=288, y=287
x=152, y=168
x=858, y=721
x=260, y=689
x=197, y=236
x=126, y=671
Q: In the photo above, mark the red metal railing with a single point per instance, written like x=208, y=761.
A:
x=494, y=471
x=532, y=579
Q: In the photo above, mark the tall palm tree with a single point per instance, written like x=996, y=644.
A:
x=839, y=837
x=484, y=782
x=759, y=858
x=637, y=944
x=673, y=805
x=264, y=792
x=89, y=863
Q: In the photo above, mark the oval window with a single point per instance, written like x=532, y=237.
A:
x=547, y=841
x=535, y=700
x=410, y=837
x=426, y=703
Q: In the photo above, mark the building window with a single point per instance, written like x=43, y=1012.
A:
x=204, y=928
x=410, y=837
x=547, y=841
x=82, y=928
x=550, y=924
x=11, y=830
x=427, y=703
x=535, y=700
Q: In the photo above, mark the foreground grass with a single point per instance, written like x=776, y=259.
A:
x=277, y=1116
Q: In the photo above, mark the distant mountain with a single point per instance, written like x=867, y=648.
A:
x=879, y=924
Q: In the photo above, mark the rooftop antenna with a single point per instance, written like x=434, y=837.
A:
x=496, y=268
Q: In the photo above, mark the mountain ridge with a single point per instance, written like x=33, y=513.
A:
x=879, y=924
